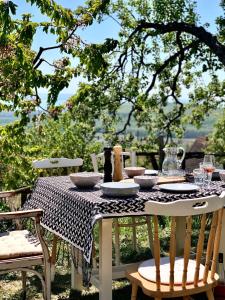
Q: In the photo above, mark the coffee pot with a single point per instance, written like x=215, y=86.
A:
x=172, y=164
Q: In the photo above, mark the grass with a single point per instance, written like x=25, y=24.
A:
x=11, y=285
x=10, y=289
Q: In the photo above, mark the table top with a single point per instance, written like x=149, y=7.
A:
x=71, y=213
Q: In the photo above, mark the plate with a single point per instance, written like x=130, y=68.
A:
x=151, y=172
x=116, y=189
x=179, y=187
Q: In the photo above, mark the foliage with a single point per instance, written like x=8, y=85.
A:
x=216, y=143
x=159, y=55
x=48, y=138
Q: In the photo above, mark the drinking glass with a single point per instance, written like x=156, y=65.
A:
x=209, y=159
x=208, y=166
x=199, y=176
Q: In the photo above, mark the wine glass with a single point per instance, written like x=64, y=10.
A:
x=208, y=167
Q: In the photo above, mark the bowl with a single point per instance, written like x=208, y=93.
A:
x=85, y=179
x=134, y=171
x=222, y=175
x=146, y=181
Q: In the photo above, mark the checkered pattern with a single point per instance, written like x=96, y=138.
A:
x=71, y=213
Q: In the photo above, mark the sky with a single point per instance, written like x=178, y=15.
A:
x=207, y=9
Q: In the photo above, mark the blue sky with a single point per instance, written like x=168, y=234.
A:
x=207, y=9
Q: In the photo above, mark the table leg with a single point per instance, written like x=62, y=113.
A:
x=222, y=240
x=76, y=277
x=105, y=259
x=180, y=235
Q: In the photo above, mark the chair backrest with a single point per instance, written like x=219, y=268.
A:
x=206, y=214
x=57, y=166
x=96, y=157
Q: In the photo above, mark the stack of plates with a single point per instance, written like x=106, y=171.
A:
x=118, y=189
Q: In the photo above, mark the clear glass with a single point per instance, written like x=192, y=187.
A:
x=209, y=159
x=208, y=166
x=199, y=176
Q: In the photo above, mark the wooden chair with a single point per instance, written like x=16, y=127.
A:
x=172, y=276
x=50, y=165
x=21, y=251
x=134, y=221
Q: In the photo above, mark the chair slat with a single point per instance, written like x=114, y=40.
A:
x=217, y=242
x=187, y=249
x=172, y=251
x=200, y=247
x=157, y=251
x=210, y=245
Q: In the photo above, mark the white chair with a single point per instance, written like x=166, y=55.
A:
x=50, y=164
x=134, y=220
x=21, y=251
x=179, y=276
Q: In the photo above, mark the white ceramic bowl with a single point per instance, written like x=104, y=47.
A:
x=146, y=181
x=134, y=171
x=85, y=179
x=222, y=175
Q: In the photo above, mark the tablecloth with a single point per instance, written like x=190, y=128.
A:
x=71, y=212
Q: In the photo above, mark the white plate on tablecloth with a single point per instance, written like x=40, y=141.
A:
x=117, y=189
x=179, y=187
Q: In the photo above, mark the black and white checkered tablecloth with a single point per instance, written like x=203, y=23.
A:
x=71, y=213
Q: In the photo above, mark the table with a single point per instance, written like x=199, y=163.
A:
x=71, y=214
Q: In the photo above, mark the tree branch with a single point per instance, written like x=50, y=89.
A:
x=127, y=121
x=167, y=62
x=198, y=31
x=36, y=64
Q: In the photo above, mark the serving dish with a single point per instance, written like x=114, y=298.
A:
x=146, y=181
x=134, y=171
x=179, y=187
x=118, y=189
x=85, y=179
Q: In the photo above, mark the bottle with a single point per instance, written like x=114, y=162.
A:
x=117, y=174
x=107, y=164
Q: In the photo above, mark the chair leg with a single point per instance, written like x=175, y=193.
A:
x=47, y=290
x=134, y=291
x=210, y=295
x=53, y=257
x=24, y=277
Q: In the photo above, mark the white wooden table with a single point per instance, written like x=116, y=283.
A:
x=71, y=214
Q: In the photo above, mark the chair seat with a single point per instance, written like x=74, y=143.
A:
x=148, y=271
x=18, y=243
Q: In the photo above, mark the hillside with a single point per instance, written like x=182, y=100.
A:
x=191, y=131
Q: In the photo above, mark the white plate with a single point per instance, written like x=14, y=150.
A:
x=151, y=172
x=117, y=189
x=179, y=187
